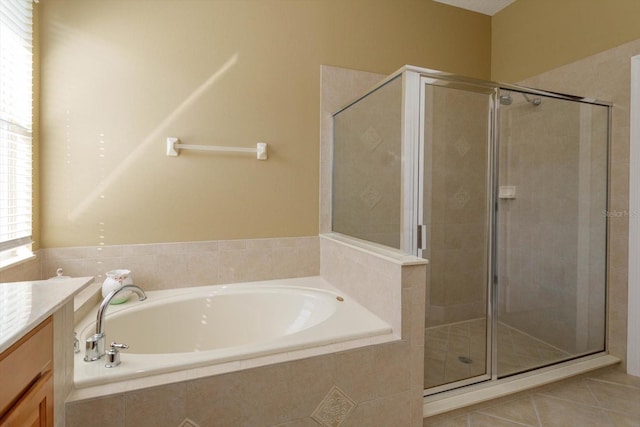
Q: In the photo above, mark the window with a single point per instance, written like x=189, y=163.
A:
x=16, y=99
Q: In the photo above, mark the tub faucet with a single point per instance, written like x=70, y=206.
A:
x=94, y=345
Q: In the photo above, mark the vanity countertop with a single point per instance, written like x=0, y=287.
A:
x=23, y=305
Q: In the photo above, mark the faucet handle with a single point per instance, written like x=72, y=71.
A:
x=94, y=347
x=115, y=345
x=113, y=354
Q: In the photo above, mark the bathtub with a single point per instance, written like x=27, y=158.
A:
x=177, y=329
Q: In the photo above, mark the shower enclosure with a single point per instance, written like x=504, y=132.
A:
x=504, y=190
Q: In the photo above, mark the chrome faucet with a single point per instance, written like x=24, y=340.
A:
x=94, y=345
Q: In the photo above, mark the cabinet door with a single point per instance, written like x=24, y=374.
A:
x=35, y=408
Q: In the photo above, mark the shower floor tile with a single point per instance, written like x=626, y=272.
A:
x=458, y=350
x=454, y=351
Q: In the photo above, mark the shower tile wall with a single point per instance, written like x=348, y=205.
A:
x=538, y=231
x=338, y=86
x=606, y=76
x=367, y=167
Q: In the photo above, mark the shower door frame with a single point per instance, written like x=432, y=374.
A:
x=414, y=144
x=413, y=231
x=492, y=180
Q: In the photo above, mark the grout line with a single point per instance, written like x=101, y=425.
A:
x=482, y=392
x=586, y=384
x=535, y=409
x=599, y=407
x=535, y=339
x=502, y=418
x=613, y=383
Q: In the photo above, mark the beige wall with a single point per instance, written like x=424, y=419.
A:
x=533, y=36
x=118, y=77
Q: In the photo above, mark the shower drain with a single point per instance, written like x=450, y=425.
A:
x=465, y=360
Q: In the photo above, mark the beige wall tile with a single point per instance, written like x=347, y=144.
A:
x=62, y=359
x=158, y=406
x=393, y=368
x=372, y=281
x=102, y=412
x=166, y=266
x=310, y=379
x=268, y=396
x=217, y=399
x=390, y=411
x=28, y=270
x=361, y=387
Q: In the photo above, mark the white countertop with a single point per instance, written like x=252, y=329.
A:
x=23, y=305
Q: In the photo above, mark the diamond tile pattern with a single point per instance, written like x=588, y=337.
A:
x=371, y=138
x=370, y=196
x=334, y=408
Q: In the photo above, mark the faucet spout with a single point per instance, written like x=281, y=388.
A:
x=107, y=300
x=95, y=344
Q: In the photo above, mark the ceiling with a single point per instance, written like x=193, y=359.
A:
x=487, y=7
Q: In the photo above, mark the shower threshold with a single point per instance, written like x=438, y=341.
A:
x=482, y=392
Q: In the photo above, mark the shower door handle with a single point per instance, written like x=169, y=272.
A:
x=422, y=237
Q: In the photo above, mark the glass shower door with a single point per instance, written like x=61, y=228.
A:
x=551, y=231
x=456, y=124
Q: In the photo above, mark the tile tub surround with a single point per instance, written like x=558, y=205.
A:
x=176, y=265
x=384, y=381
x=23, y=271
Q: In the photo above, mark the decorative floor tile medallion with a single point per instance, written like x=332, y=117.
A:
x=334, y=408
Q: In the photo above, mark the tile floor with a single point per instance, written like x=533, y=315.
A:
x=456, y=351
x=603, y=398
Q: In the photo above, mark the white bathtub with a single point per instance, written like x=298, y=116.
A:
x=192, y=327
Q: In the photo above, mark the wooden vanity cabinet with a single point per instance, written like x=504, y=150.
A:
x=26, y=380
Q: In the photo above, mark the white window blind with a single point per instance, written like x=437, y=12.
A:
x=16, y=100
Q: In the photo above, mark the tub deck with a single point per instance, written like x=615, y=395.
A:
x=309, y=317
